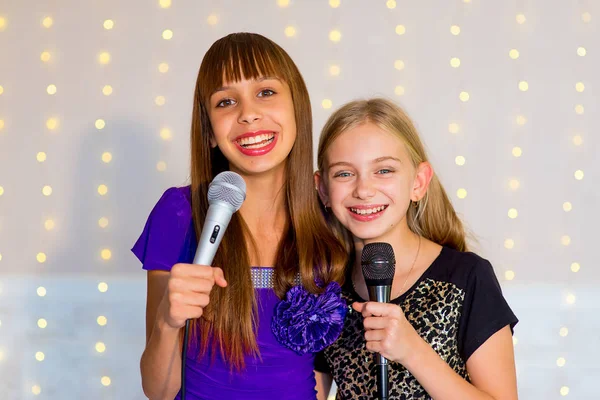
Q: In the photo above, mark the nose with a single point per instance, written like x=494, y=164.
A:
x=249, y=113
x=364, y=188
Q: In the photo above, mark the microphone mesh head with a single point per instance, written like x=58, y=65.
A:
x=227, y=187
x=378, y=261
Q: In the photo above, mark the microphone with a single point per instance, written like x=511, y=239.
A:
x=226, y=193
x=378, y=267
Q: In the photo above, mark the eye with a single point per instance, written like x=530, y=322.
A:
x=385, y=171
x=225, y=103
x=342, y=174
x=266, y=93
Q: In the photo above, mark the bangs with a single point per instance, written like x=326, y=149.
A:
x=240, y=56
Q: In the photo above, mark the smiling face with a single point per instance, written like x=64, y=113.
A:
x=253, y=124
x=369, y=182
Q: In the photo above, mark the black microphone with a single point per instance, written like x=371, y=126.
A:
x=378, y=267
x=226, y=193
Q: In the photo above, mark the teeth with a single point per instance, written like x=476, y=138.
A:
x=265, y=137
x=367, y=211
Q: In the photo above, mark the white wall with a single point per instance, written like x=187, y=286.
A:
x=544, y=292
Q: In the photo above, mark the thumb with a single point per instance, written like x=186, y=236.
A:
x=219, y=277
x=358, y=306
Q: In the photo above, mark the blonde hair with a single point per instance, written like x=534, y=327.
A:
x=433, y=217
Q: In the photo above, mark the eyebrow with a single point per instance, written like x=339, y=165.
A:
x=375, y=161
x=258, y=80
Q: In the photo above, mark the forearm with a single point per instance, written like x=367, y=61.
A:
x=161, y=363
x=437, y=378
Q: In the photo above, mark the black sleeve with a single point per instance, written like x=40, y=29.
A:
x=485, y=311
x=321, y=363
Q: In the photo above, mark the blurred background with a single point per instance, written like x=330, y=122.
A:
x=95, y=109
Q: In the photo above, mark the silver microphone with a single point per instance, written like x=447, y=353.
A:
x=226, y=193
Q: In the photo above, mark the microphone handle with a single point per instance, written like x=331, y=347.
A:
x=381, y=294
x=217, y=218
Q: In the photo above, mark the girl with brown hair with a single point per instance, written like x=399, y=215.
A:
x=272, y=299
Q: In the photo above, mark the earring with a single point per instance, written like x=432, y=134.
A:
x=327, y=209
x=415, y=204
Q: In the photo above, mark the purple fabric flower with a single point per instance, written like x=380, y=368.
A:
x=306, y=322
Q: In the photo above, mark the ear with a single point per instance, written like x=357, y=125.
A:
x=422, y=180
x=321, y=188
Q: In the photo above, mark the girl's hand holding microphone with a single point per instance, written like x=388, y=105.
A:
x=188, y=292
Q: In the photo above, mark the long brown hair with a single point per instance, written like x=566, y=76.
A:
x=434, y=217
x=307, y=245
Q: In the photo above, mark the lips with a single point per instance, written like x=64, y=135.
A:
x=256, y=143
x=367, y=212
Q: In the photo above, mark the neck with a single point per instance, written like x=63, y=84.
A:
x=264, y=207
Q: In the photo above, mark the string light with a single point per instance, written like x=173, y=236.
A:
x=399, y=90
x=326, y=104
x=107, y=90
x=47, y=22
x=453, y=127
x=106, y=157
x=521, y=19
x=513, y=213
x=575, y=267
x=580, y=87
x=564, y=331
x=104, y=58
x=290, y=31
x=41, y=291
x=577, y=140
x=100, y=124
x=47, y=190
x=165, y=134
x=335, y=36
x=108, y=24
x=400, y=30
x=101, y=320
x=40, y=356
x=167, y=34
x=164, y=3
x=45, y=56
x=509, y=243
x=560, y=361
x=578, y=174
x=2, y=24
x=460, y=160
x=100, y=347
x=399, y=65
x=163, y=68
x=579, y=110
x=36, y=389
x=52, y=123
x=212, y=20
x=41, y=258
x=161, y=166
x=586, y=17
x=455, y=30
x=564, y=390
x=105, y=380
x=334, y=70
x=517, y=151
x=334, y=3
x=464, y=96
x=521, y=120
x=51, y=89
x=103, y=222
x=49, y=224
x=514, y=184
x=565, y=240
x=567, y=206
x=581, y=51
x=160, y=100
x=523, y=86
x=570, y=298
x=102, y=287
x=283, y=3
x=41, y=156
x=42, y=323
x=391, y=4
x=509, y=275
x=455, y=62
x=461, y=193
x=102, y=190
x=106, y=254
x=514, y=54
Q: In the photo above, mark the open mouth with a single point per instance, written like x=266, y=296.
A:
x=256, y=142
x=367, y=211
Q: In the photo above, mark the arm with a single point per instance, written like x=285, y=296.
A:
x=172, y=299
x=323, y=387
x=491, y=367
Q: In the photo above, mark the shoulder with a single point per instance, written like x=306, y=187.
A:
x=462, y=268
x=175, y=200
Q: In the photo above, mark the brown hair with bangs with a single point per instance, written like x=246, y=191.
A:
x=307, y=246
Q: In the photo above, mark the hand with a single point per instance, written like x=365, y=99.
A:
x=387, y=331
x=188, y=292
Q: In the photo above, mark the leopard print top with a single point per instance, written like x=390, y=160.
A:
x=434, y=306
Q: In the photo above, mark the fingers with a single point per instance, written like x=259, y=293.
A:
x=372, y=308
x=219, y=277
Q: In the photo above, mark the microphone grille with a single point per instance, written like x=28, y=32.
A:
x=378, y=261
x=227, y=187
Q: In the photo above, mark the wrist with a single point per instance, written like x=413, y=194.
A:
x=417, y=346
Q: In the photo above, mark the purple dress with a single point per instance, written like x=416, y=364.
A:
x=169, y=238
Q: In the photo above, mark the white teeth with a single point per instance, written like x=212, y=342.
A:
x=247, y=141
x=367, y=211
